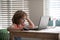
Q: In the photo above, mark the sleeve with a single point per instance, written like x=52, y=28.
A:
x=26, y=25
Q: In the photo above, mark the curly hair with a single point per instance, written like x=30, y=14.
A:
x=18, y=15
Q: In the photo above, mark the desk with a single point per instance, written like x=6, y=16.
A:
x=50, y=33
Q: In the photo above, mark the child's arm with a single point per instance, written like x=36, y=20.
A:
x=31, y=24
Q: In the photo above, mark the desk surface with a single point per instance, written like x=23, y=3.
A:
x=48, y=30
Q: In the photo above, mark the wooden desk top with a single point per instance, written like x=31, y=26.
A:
x=49, y=33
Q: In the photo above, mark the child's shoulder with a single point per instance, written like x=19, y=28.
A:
x=13, y=26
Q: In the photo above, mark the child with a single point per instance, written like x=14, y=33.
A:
x=21, y=21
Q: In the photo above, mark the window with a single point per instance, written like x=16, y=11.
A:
x=52, y=9
x=7, y=9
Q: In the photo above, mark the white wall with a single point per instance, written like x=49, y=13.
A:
x=36, y=10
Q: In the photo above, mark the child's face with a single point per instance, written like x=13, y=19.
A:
x=22, y=20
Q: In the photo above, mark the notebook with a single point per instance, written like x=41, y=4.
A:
x=43, y=22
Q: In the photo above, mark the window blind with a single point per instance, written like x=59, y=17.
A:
x=0, y=15
x=8, y=8
x=52, y=8
x=4, y=13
